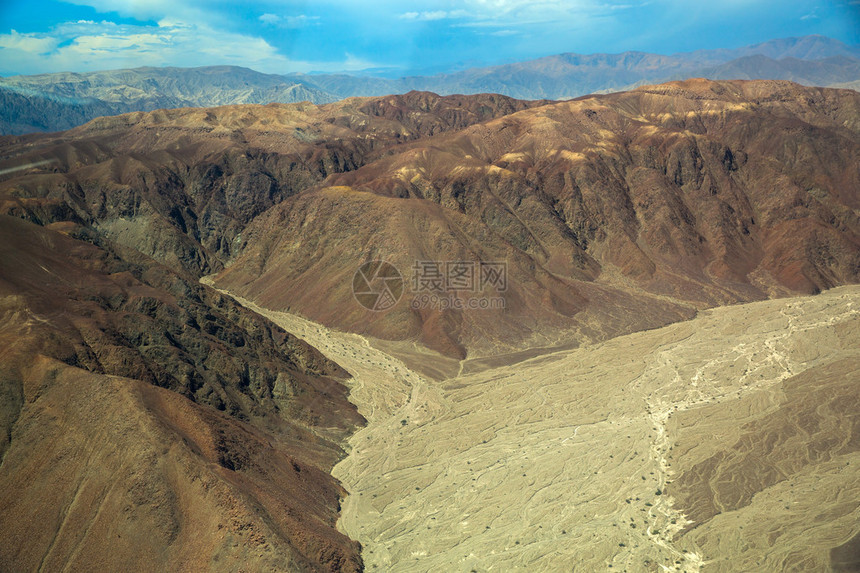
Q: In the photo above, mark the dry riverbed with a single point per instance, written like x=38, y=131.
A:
x=589, y=459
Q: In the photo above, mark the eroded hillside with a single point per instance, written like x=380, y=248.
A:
x=147, y=422
x=169, y=425
x=613, y=214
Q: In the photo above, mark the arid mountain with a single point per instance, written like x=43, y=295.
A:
x=824, y=72
x=169, y=425
x=812, y=60
x=571, y=75
x=552, y=77
x=613, y=213
x=181, y=185
x=148, y=422
x=811, y=47
x=30, y=111
x=55, y=102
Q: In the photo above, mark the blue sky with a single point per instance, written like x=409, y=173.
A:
x=282, y=36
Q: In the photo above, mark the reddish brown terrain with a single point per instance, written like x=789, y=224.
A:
x=614, y=213
x=150, y=422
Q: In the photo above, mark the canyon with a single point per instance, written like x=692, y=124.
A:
x=675, y=358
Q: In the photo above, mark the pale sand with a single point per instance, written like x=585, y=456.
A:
x=555, y=463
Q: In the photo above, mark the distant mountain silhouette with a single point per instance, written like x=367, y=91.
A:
x=54, y=102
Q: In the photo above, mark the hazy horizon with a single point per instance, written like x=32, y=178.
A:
x=430, y=36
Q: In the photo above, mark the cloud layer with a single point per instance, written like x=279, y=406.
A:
x=87, y=45
x=281, y=36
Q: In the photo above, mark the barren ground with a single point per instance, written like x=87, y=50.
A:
x=726, y=443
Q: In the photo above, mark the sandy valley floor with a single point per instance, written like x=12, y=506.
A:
x=727, y=443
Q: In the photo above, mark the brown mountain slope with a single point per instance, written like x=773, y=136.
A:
x=614, y=213
x=215, y=431
x=149, y=423
x=180, y=185
x=145, y=404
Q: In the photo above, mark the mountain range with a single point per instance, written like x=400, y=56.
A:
x=572, y=75
x=151, y=421
x=53, y=102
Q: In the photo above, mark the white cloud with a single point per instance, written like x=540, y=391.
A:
x=512, y=14
x=27, y=43
x=187, y=10
x=299, y=21
x=355, y=63
x=87, y=46
x=430, y=15
x=271, y=19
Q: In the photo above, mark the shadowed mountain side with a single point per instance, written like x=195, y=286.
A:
x=23, y=112
x=614, y=213
x=147, y=421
